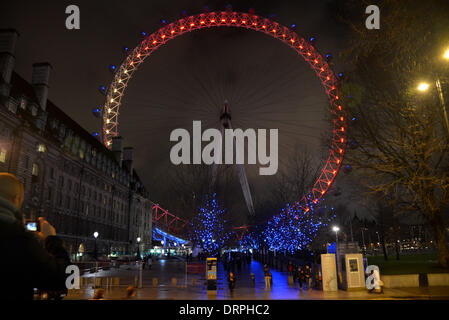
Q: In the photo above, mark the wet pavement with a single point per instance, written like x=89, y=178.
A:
x=193, y=287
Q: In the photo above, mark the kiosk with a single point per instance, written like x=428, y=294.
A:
x=211, y=273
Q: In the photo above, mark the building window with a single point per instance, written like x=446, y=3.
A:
x=23, y=104
x=41, y=147
x=3, y=155
x=59, y=201
x=68, y=203
x=35, y=170
x=61, y=181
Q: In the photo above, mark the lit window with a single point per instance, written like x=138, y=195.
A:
x=23, y=104
x=35, y=170
x=41, y=148
x=3, y=155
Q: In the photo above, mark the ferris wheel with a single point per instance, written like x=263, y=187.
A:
x=305, y=48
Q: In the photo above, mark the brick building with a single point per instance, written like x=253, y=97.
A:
x=70, y=177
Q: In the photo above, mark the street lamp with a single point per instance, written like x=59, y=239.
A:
x=446, y=54
x=95, y=247
x=138, y=247
x=336, y=229
x=423, y=87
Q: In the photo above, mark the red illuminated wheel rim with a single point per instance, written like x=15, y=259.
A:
x=317, y=62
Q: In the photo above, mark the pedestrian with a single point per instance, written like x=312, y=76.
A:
x=300, y=277
x=144, y=262
x=25, y=263
x=231, y=281
x=130, y=293
x=55, y=247
x=290, y=268
x=98, y=295
x=266, y=271
x=308, y=276
x=150, y=262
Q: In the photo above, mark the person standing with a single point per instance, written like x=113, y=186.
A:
x=300, y=277
x=150, y=262
x=266, y=271
x=231, y=281
x=308, y=276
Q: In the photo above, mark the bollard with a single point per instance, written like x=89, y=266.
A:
x=97, y=282
x=174, y=281
x=135, y=281
x=116, y=281
x=253, y=280
x=155, y=282
x=193, y=282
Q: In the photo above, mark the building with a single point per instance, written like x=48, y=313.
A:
x=70, y=177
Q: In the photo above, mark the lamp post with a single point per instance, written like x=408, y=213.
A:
x=95, y=246
x=423, y=87
x=336, y=229
x=138, y=247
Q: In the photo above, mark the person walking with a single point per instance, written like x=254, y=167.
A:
x=266, y=271
x=26, y=264
x=308, y=277
x=300, y=277
x=231, y=281
x=149, y=262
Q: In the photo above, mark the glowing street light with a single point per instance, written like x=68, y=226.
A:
x=95, y=248
x=423, y=86
x=446, y=54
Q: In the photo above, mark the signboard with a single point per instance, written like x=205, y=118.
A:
x=211, y=273
x=331, y=248
x=353, y=271
x=329, y=272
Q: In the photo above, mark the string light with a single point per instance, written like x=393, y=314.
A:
x=208, y=226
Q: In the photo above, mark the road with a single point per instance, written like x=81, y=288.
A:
x=165, y=270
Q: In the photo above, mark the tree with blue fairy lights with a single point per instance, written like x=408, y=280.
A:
x=295, y=229
x=208, y=226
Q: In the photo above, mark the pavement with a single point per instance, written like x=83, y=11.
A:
x=193, y=287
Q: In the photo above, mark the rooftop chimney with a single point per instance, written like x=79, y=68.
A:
x=8, y=39
x=128, y=159
x=117, y=149
x=39, y=79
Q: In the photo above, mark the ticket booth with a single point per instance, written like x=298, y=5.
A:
x=211, y=273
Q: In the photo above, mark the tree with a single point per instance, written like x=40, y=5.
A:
x=208, y=228
x=400, y=142
x=294, y=230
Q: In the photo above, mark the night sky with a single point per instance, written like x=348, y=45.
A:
x=267, y=84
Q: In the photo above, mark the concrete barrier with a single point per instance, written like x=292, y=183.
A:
x=400, y=281
x=438, y=279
